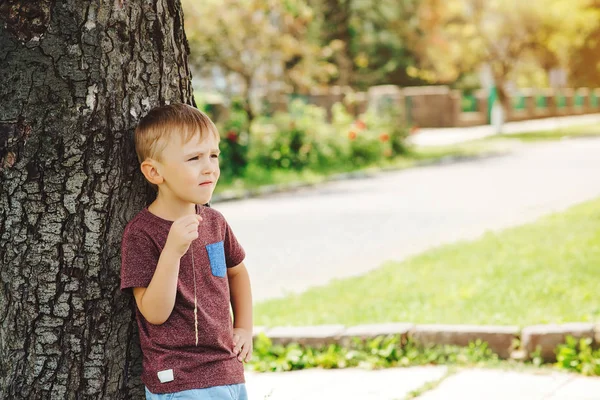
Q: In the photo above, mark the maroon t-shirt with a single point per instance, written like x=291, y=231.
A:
x=172, y=345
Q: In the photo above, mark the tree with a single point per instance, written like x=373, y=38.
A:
x=363, y=34
x=265, y=44
x=76, y=77
x=381, y=56
x=459, y=36
x=336, y=32
x=584, y=65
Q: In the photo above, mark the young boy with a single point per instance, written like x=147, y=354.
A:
x=185, y=265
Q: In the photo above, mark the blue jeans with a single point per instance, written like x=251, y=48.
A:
x=227, y=392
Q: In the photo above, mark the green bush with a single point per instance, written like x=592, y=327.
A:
x=373, y=137
x=388, y=351
x=381, y=352
x=302, y=139
x=578, y=356
x=298, y=139
x=235, y=141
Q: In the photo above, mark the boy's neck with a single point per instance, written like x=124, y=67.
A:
x=171, y=209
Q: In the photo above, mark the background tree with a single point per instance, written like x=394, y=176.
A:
x=460, y=36
x=336, y=32
x=264, y=45
x=363, y=34
x=584, y=65
x=76, y=77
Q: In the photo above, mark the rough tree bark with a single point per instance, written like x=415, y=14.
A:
x=75, y=77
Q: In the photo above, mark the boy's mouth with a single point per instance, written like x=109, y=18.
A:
x=206, y=183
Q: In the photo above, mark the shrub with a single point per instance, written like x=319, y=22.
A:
x=303, y=139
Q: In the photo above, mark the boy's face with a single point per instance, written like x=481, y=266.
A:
x=190, y=170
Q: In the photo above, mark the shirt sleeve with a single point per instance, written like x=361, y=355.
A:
x=234, y=253
x=139, y=257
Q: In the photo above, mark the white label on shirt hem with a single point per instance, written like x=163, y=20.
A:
x=165, y=376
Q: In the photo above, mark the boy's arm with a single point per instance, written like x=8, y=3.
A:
x=241, y=296
x=156, y=302
x=241, y=303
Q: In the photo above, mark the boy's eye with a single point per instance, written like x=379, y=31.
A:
x=215, y=156
x=193, y=158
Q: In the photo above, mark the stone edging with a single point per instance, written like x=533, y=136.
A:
x=500, y=339
x=230, y=195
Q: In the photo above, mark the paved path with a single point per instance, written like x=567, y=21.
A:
x=298, y=240
x=507, y=385
x=344, y=384
x=397, y=383
x=447, y=136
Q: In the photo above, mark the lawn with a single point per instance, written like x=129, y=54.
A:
x=559, y=134
x=544, y=272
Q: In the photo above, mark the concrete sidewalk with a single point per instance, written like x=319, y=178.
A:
x=448, y=136
x=398, y=383
x=500, y=385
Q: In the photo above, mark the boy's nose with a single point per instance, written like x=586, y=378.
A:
x=207, y=169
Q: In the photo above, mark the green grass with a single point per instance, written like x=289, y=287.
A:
x=429, y=386
x=262, y=177
x=544, y=272
x=466, y=149
x=564, y=133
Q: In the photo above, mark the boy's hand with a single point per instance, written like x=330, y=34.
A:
x=242, y=344
x=182, y=233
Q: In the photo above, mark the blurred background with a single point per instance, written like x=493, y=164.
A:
x=409, y=161
x=483, y=92
x=266, y=70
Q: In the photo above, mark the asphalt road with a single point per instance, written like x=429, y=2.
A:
x=302, y=239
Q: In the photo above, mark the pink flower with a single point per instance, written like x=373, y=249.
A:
x=232, y=136
x=360, y=125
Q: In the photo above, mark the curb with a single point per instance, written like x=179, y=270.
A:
x=500, y=339
x=232, y=195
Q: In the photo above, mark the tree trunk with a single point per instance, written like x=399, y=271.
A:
x=500, y=107
x=247, y=99
x=76, y=77
x=503, y=96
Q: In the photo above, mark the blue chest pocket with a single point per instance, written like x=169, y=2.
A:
x=216, y=256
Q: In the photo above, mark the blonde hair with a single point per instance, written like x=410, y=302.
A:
x=156, y=128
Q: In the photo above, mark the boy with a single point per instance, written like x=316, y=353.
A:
x=185, y=265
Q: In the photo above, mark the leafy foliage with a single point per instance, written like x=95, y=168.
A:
x=511, y=37
x=255, y=43
x=579, y=356
x=302, y=139
x=381, y=352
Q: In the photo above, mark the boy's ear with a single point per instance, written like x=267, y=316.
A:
x=150, y=171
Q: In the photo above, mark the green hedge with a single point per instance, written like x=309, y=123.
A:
x=303, y=139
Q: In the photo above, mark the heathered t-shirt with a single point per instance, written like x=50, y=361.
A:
x=172, y=345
